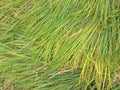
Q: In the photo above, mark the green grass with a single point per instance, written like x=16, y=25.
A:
x=59, y=44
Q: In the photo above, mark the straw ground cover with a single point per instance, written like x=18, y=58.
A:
x=59, y=44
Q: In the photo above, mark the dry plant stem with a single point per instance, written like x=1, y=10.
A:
x=59, y=73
